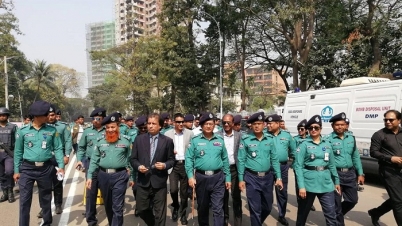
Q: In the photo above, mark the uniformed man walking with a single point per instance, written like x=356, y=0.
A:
x=86, y=146
x=7, y=141
x=316, y=174
x=132, y=130
x=285, y=147
x=207, y=155
x=111, y=159
x=258, y=164
x=188, y=121
x=32, y=162
x=165, y=117
x=65, y=135
x=237, y=123
x=123, y=128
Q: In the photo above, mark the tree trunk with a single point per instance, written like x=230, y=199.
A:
x=376, y=65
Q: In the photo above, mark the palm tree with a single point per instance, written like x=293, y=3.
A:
x=41, y=71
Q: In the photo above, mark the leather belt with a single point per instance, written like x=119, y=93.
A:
x=284, y=163
x=112, y=170
x=317, y=168
x=208, y=172
x=180, y=161
x=260, y=174
x=37, y=163
x=345, y=169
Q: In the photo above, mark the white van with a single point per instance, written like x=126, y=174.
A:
x=364, y=100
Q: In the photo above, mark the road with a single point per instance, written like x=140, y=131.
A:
x=372, y=196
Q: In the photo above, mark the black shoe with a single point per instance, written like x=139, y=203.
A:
x=175, y=214
x=312, y=208
x=40, y=215
x=83, y=214
x=374, y=218
x=183, y=220
x=226, y=222
x=11, y=197
x=136, y=213
x=4, y=197
x=58, y=210
x=283, y=221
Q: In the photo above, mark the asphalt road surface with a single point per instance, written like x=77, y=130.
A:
x=372, y=195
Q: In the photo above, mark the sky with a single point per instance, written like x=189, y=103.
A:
x=54, y=30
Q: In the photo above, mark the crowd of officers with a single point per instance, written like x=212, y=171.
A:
x=202, y=158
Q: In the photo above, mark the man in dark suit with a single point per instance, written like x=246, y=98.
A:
x=232, y=142
x=152, y=155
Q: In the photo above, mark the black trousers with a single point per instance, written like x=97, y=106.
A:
x=178, y=175
x=157, y=215
x=6, y=171
x=57, y=185
x=393, y=183
x=236, y=198
x=349, y=195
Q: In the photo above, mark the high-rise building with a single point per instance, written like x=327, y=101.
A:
x=100, y=36
x=135, y=18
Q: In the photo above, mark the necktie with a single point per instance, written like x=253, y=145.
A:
x=152, y=148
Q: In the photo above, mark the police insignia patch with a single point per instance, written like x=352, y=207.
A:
x=317, y=119
x=241, y=145
x=343, y=116
x=50, y=109
x=211, y=116
x=217, y=144
x=260, y=117
x=270, y=119
x=112, y=118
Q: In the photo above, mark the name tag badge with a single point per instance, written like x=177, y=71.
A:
x=326, y=156
x=44, y=144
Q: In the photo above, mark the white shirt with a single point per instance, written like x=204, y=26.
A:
x=179, y=145
x=229, y=144
x=80, y=132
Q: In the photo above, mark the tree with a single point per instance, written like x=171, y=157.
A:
x=66, y=79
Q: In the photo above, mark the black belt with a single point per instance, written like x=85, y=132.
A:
x=208, y=172
x=284, y=163
x=345, y=169
x=37, y=163
x=317, y=168
x=260, y=174
x=179, y=161
x=112, y=170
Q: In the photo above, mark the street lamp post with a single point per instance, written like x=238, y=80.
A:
x=220, y=64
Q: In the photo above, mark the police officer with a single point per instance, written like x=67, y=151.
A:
x=347, y=161
x=165, y=117
x=122, y=126
x=132, y=130
x=237, y=123
x=316, y=174
x=188, y=121
x=285, y=147
x=27, y=120
x=218, y=123
x=111, y=156
x=86, y=146
x=7, y=141
x=32, y=162
x=258, y=162
x=207, y=155
x=347, y=122
x=58, y=115
x=65, y=135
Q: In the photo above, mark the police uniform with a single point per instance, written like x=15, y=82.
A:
x=32, y=160
x=165, y=116
x=189, y=118
x=258, y=164
x=285, y=147
x=133, y=131
x=209, y=159
x=316, y=173
x=112, y=161
x=347, y=162
x=86, y=146
x=299, y=139
x=7, y=142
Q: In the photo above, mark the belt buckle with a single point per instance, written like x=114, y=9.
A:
x=319, y=168
x=39, y=163
x=344, y=170
x=180, y=161
x=209, y=172
x=110, y=170
x=261, y=174
x=2, y=150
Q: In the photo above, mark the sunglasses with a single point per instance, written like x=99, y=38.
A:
x=227, y=122
x=142, y=128
x=301, y=129
x=179, y=122
x=316, y=128
x=96, y=119
x=391, y=120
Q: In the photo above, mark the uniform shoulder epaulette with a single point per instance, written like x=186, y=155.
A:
x=24, y=126
x=198, y=135
x=100, y=138
x=218, y=135
x=245, y=136
x=127, y=137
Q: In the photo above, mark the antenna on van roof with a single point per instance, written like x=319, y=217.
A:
x=362, y=80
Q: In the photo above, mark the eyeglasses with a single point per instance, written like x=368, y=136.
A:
x=316, y=128
x=227, y=122
x=391, y=120
x=301, y=129
x=179, y=122
x=96, y=119
x=142, y=128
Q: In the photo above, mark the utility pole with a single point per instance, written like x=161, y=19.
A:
x=5, y=81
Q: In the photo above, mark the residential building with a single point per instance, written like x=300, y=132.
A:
x=99, y=36
x=265, y=82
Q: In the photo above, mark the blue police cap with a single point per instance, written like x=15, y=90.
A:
x=259, y=116
x=39, y=108
x=52, y=108
x=338, y=117
x=98, y=112
x=237, y=119
x=129, y=118
x=302, y=123
x=58, y=112
x=114, y=117
x=273, y=118
x=347, y=121
x=165, y=116
x=189, y=118
x=206, y=117
x=141, y=121
x=316, y=119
